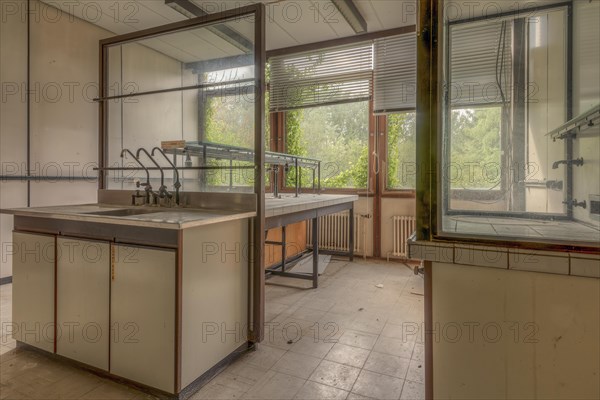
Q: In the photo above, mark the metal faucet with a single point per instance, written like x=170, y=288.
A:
x=578, y=162
x=177, y=184
x=162, y=191
x=574, y=203
x=147, y=186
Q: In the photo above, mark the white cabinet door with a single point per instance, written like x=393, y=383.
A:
x=33, y=289
x=143, y=316
x=83, y=287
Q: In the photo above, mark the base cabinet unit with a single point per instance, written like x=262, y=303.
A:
x=33, y=289
x=142, y=346
x=83, y=287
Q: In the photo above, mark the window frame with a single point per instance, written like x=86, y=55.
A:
x=383, y=151
x=279, y=131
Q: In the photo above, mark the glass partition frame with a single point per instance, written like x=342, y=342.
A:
x=256, y=12
x=430, y=147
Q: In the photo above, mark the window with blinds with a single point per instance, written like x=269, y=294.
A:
x=395, y=74
x=480, y=63
x=321, y=77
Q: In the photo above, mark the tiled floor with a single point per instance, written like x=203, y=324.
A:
x=348, y=339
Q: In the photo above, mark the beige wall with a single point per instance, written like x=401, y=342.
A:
x=63, y=119
x=536, y=334
x=547, y=110
x=147, y=120
x=13, y=124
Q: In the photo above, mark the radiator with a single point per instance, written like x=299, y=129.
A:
x=334, y=230
x=403, y=227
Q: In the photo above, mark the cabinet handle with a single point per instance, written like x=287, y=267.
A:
x=112, y=262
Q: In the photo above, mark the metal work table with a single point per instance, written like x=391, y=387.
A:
x=280, y=212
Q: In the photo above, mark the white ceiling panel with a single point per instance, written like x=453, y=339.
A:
x=289, y=22
x=387, y=14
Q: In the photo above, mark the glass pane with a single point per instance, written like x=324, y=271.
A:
x=507, y=89
x=401, y=147
x=195, y=85
x=213, y=54
x=338, y=135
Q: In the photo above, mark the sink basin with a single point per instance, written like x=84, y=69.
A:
x=124, y=212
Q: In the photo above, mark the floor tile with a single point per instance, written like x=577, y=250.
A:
x=316, y=391
x=378, y=386
x=395, y=347
x=369, y=324
x=413, y=391
x=387, y=364
x=416, y=371
x=312, y=347
x=275, y=386
x=296, y=364
x=281, y=338
x=359, y=339
x=348, y=355
x=336, y=375
x=110, y=391
x=217, y=392
x=264, y=356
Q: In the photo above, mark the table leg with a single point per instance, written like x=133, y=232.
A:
x=351, y=234
x=315, y=244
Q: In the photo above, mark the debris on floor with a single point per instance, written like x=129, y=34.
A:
x=379, y=286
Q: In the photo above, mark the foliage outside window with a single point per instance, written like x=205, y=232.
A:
x=229, y=120
x=475, y=159
x=338, y=135
x=401, y=151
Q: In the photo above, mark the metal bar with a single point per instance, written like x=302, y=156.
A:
x=319, y=169
x=526, y=11
x=256, y=333
x=296, y=183
x=283, y=246
x=293, y=259
x=299, y=179
x=183, y=25
x=351, y=233
x=315, y=243
x=178, y=168
x=176, y=89
x=574, y=125
x=341, y=41
x=46, y=178
x=230, y=174
x=569, y=109
x=427, y=122
x=291, y=274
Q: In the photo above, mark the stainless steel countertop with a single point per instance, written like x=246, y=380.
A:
x=166, y=218
x=179, y=218
x=288, y=204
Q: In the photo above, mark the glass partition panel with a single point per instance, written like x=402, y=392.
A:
x=511, y=168
x=196, y=85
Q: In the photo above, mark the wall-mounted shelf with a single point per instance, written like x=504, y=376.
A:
x=577, y=125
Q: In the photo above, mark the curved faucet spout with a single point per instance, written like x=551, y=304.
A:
x=177, y=184
x=148, y=187
x=162, y=189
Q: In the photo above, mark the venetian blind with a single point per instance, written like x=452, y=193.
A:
x=395, y=73
x=320, y=77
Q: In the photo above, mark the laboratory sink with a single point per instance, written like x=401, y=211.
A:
x=124, y=212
